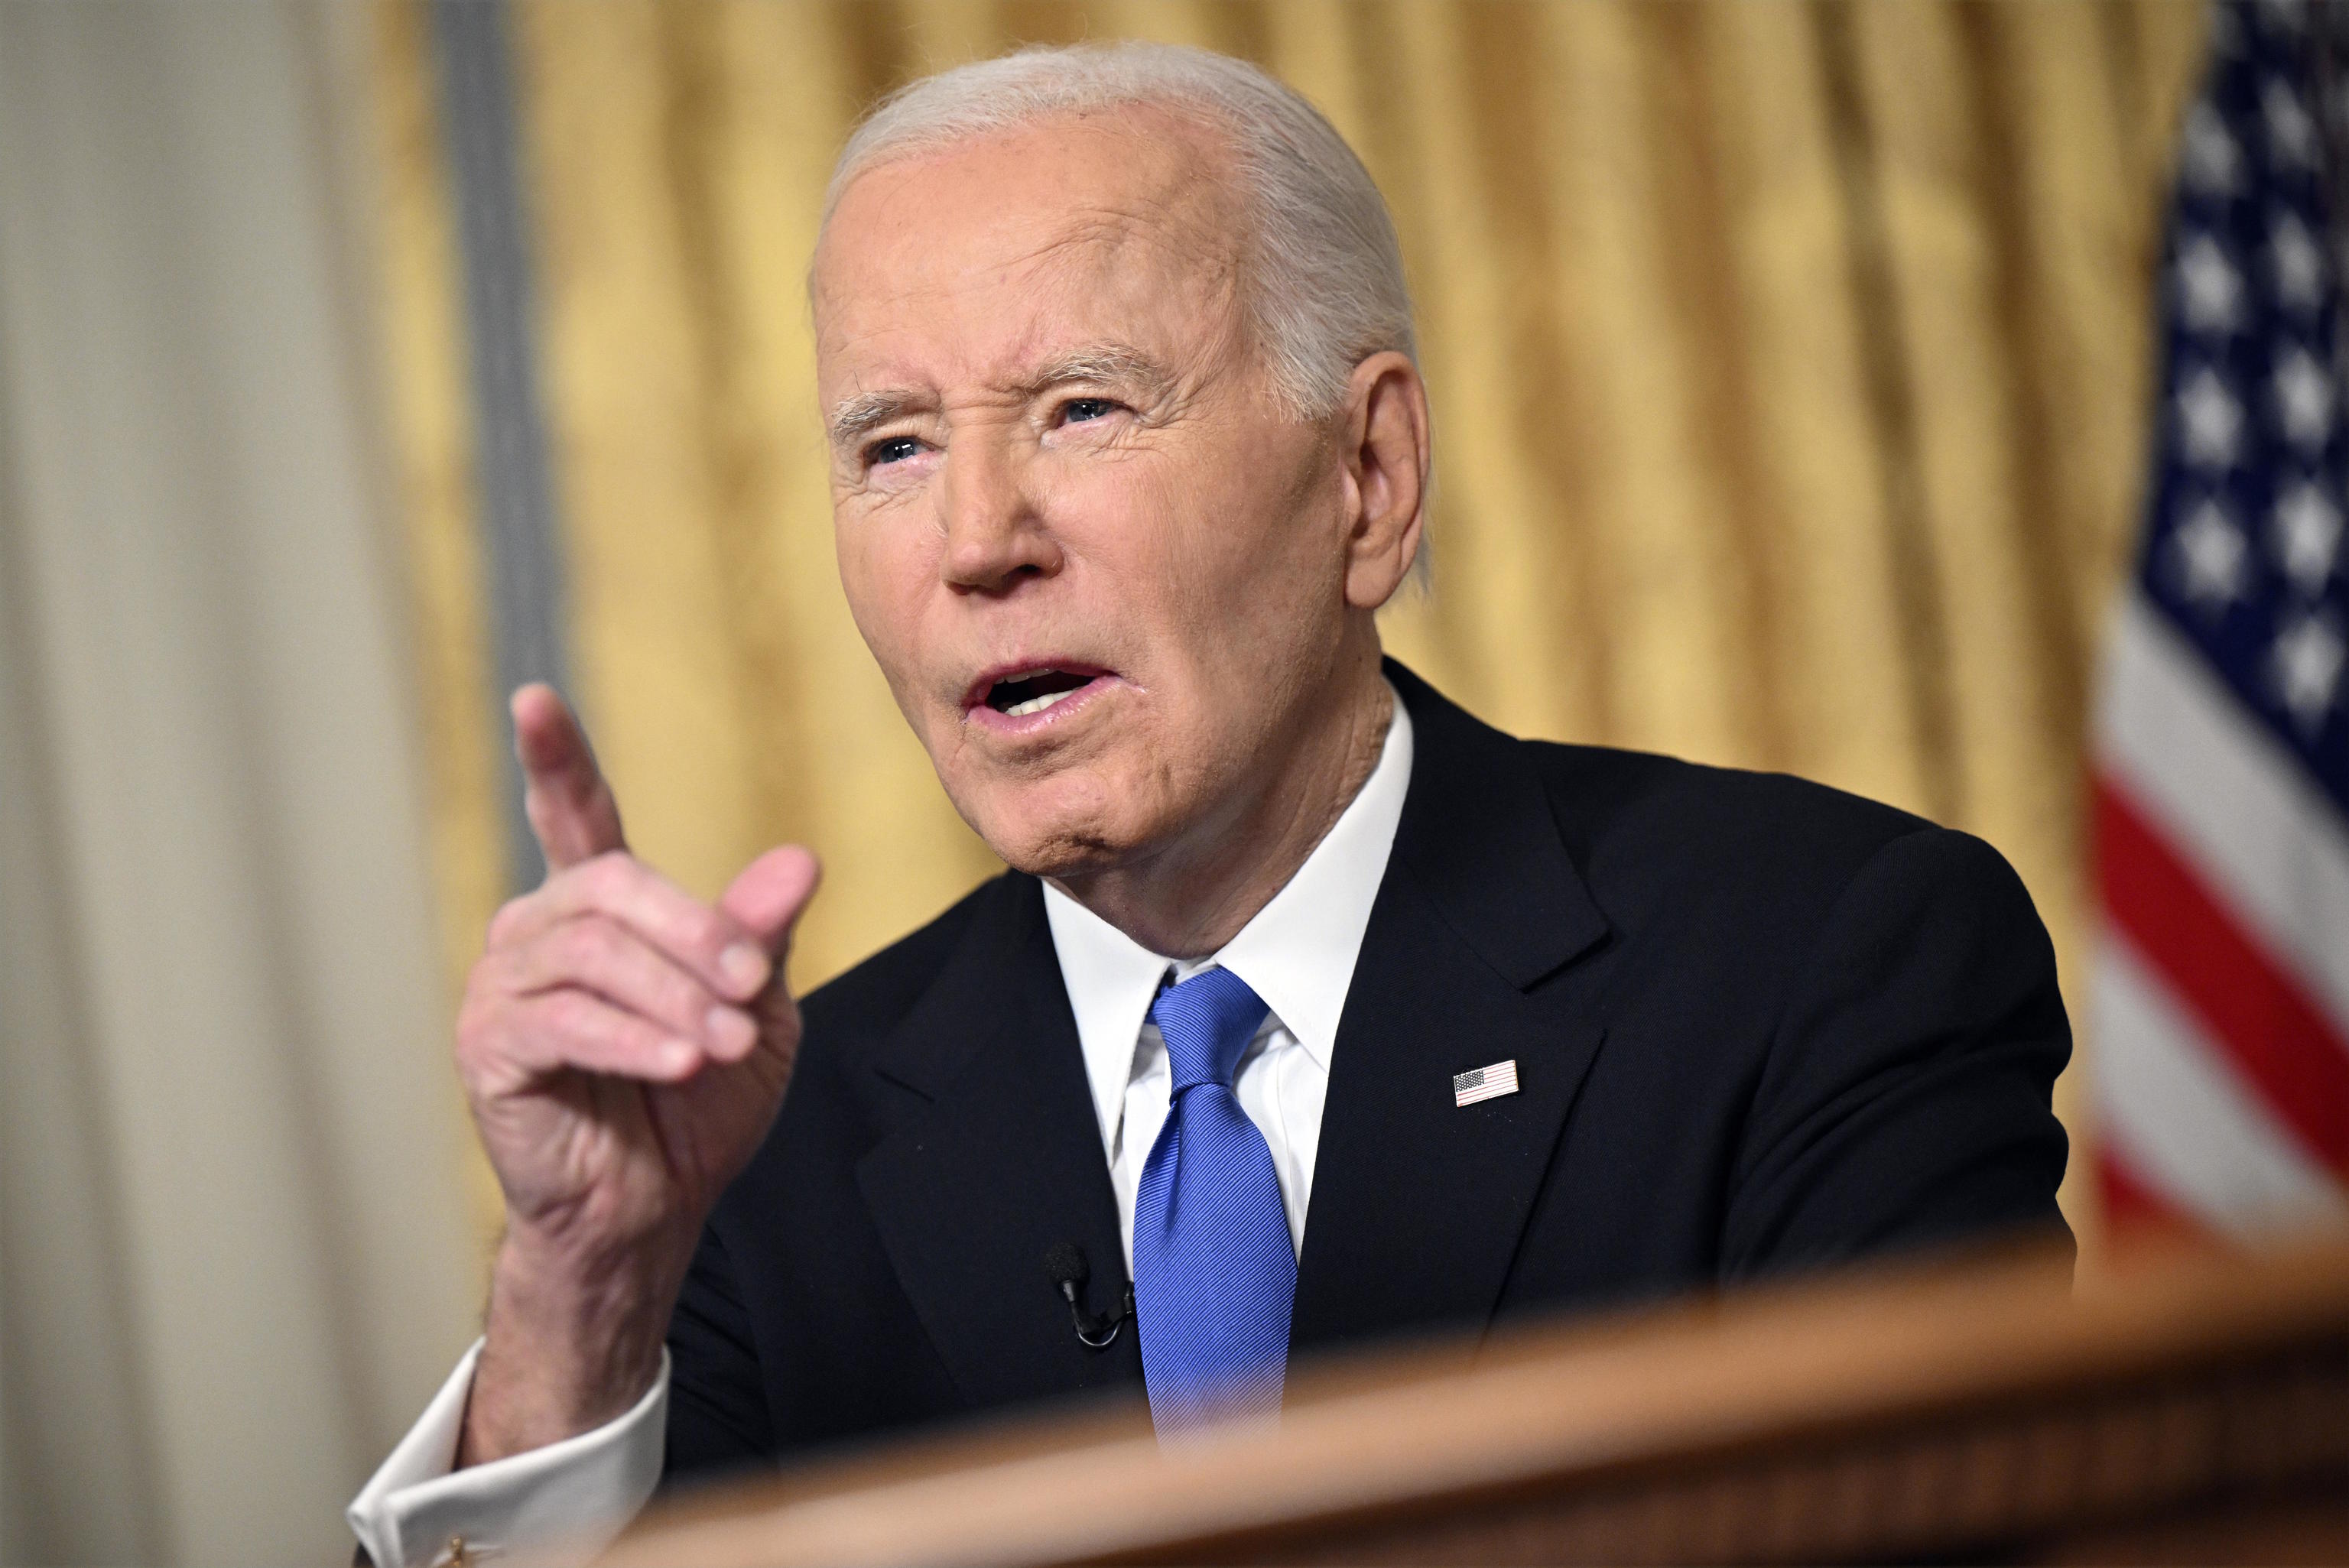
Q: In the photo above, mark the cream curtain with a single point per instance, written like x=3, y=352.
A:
x=236, y=1249
x=1790, y=369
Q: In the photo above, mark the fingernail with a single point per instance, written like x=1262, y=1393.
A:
x=730, y=1031
x=679, y=1055
x=743, y=966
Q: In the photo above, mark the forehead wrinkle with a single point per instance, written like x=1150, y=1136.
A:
x=1180, y=228
x=1186, y=222
x=1110, y=230
x=1199, y=258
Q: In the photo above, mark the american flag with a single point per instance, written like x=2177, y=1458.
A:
x=2221, y=759
x=1480, y=1084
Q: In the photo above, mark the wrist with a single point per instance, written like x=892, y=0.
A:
x=571, y=1343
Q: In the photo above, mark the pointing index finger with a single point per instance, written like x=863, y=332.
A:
x=570, y=807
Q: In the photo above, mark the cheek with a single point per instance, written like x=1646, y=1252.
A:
x=1123, y=526
x=1258, y=556
x=886, y=563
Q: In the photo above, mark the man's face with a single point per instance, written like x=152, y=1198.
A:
x=1103, y=570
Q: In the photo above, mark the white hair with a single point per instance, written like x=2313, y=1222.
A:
x=1326, y=288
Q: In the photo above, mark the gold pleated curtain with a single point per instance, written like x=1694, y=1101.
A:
x=1791, y=371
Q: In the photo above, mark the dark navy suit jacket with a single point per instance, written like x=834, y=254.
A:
x=1759, y=1026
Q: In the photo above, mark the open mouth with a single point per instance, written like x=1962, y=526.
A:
x=1033, y=691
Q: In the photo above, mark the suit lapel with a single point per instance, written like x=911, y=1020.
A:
x=1003, y=1162
x=1418, y=1203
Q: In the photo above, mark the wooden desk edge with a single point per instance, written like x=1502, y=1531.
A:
x=1579, y=1402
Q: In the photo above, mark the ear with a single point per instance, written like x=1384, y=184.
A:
x=1387, y=455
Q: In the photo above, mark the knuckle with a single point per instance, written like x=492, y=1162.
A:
x=486, y=988
x=570, y=1014
x=681, y=996
x=481, y=1024
x=706, y=932
x=635, y=1036
x=508, y=920
x=591, y=943
x=608, y=875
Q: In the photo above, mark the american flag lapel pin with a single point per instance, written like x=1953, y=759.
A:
x=1484, y=1083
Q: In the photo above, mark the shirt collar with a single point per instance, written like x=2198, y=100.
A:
x=1298, y=953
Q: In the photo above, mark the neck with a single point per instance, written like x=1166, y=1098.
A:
x=1189, y=900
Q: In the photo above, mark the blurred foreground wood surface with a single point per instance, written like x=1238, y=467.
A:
x=2179, y=1407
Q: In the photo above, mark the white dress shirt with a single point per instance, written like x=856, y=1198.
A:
x=1298, y=954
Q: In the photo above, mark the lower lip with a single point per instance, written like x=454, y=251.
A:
x=1061, y=712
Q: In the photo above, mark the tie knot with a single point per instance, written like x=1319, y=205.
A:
x=1208, y=1021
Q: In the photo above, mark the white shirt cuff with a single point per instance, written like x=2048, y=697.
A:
x=562, y=1503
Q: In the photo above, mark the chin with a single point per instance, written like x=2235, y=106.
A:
x=1057, y=827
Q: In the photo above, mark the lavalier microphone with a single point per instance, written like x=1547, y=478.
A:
x=1065, y=1262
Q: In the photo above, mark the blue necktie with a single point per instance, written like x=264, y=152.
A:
x=1214, y=1270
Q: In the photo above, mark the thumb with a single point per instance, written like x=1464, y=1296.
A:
x=770, y=894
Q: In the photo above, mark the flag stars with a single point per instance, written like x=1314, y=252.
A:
x=2210, y=421
x=2292, y=130
x=2248, y=542
x=2226, y=34
x=2212, y=558
x=2209, y=289
x=2283, y=18
x=2297, y=262
x=2209, y=161
x=2304, y=399
x=2306, y=666
x=2305, y=531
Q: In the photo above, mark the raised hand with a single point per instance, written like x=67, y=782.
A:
x=625, y=1046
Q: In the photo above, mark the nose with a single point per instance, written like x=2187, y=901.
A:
x=995, y=535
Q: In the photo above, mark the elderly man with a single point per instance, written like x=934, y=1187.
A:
x=1328, y=1011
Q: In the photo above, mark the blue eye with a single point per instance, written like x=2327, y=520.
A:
x=1080, y=411
x=893, y=450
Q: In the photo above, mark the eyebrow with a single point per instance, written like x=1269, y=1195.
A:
x=869, y=411
x=1105, y=362
x=1108, y=363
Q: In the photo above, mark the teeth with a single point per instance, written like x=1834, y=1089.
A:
x=1038, y=704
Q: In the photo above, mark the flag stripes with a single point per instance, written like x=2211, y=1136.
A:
x=2129, y=1201
x=2184, y=1124
x=2228, y=800
x=2252, y=1012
